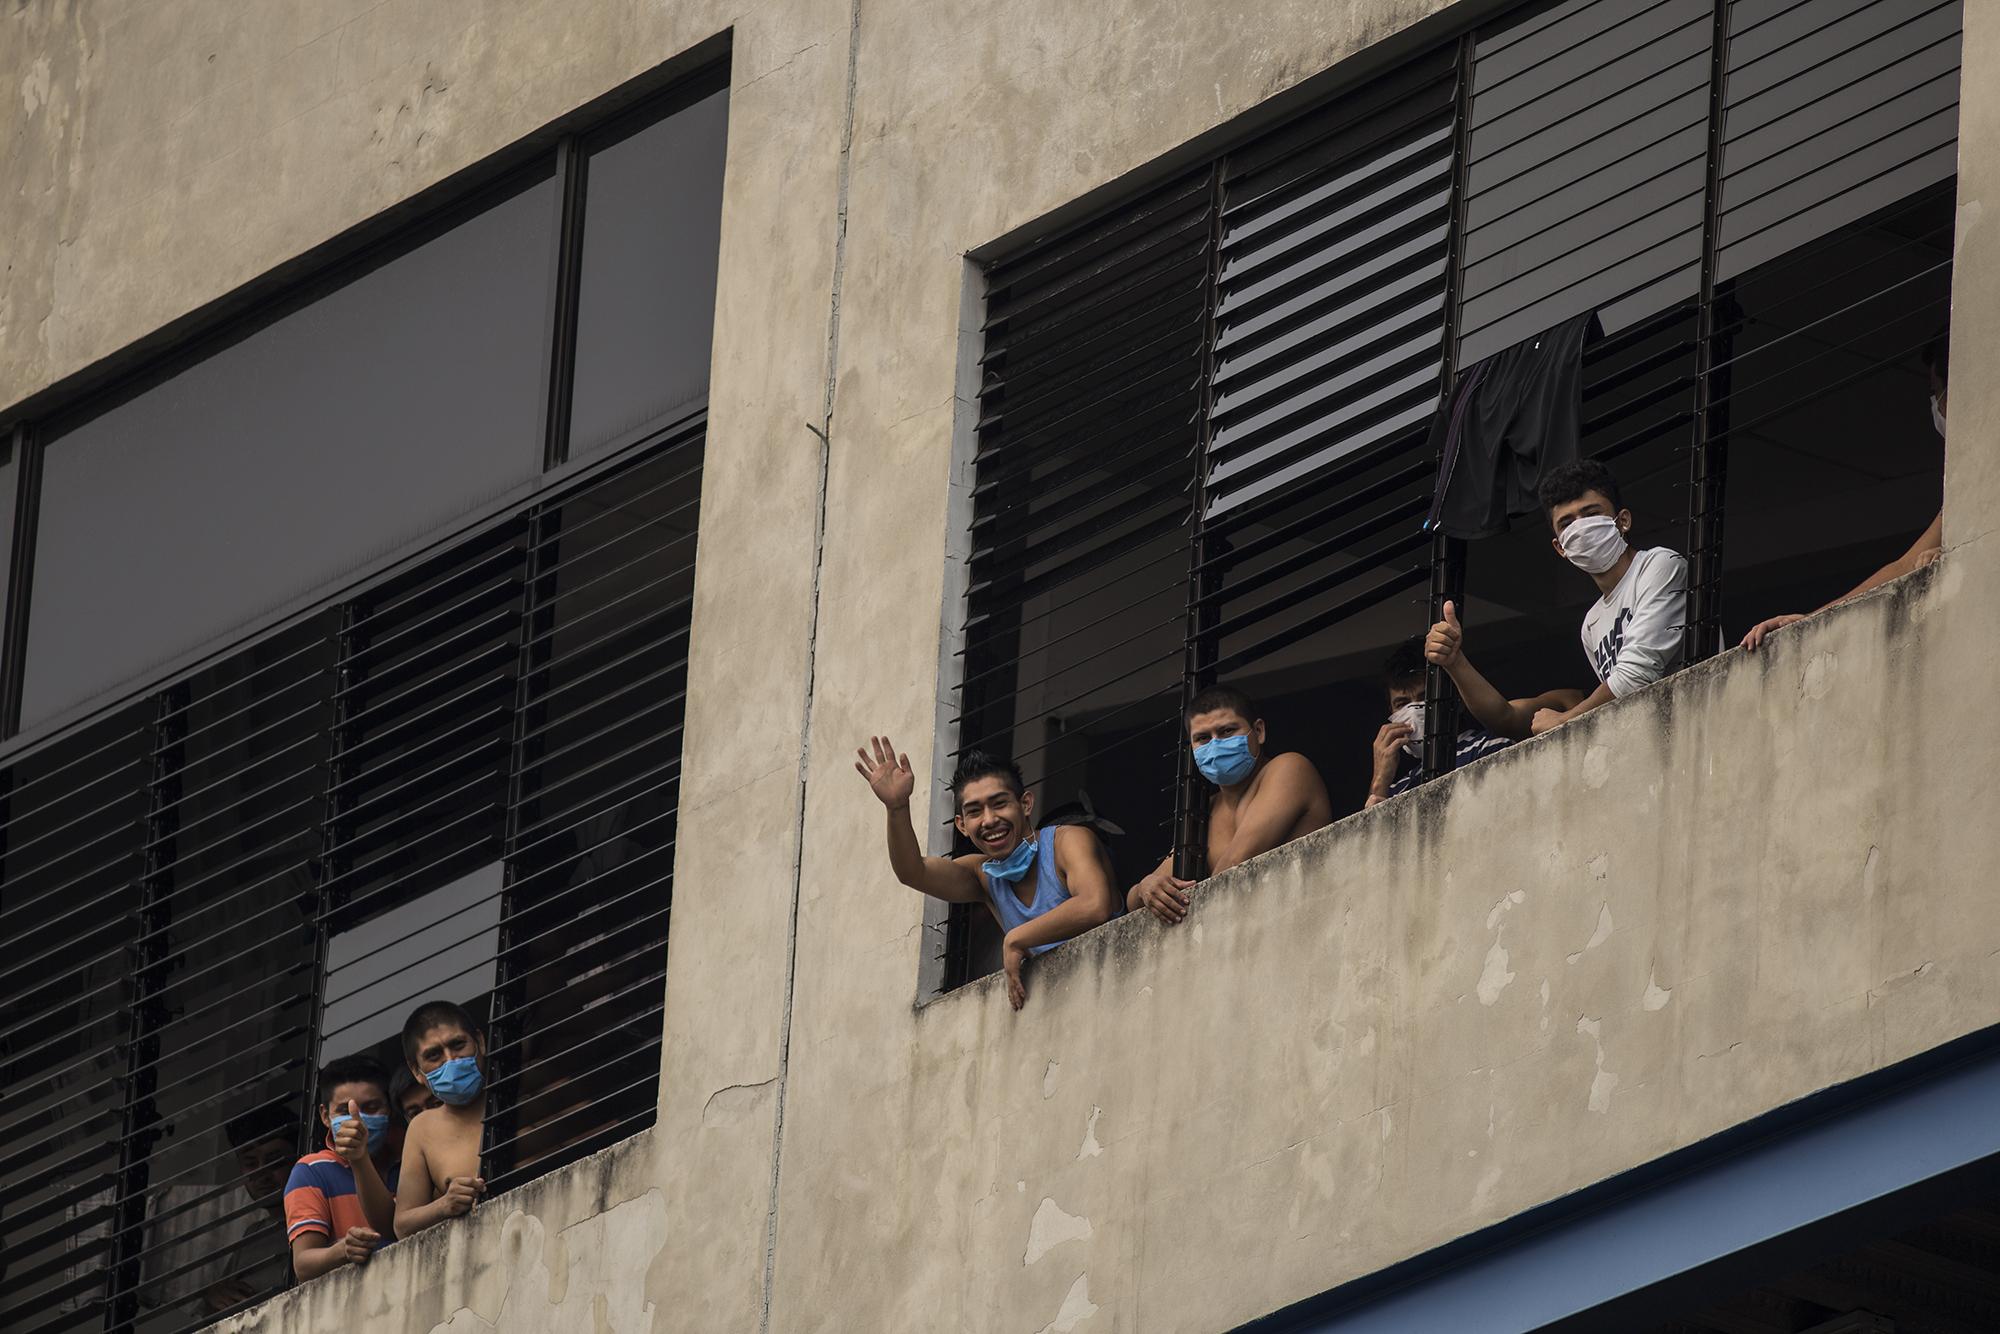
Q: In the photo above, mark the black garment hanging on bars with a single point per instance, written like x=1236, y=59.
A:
x=1514, y=416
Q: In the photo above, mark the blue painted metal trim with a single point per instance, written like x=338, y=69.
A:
x=1847, y=1146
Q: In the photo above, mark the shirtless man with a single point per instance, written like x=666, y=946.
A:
x=1261, y=801
x=1043, y=887
x=440, y=1176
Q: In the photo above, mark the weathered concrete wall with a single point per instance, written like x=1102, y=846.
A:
x=1765, y=877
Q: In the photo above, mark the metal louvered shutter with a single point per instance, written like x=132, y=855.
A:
x=1330, y=331
x=459, y=783
x=1586, y=172
x=1088, y=436
x=580, y=987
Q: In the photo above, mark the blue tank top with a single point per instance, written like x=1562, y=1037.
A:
x=1049, y=890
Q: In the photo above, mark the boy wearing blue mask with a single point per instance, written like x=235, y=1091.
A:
x=1262, y=800
x=1042, y=886
x=441, y=1179
x=340, y=1202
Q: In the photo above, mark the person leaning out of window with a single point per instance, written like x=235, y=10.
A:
x=1631, y=634
x=1929, y=544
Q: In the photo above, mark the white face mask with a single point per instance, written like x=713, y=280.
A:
x=1937, y=415
x=1594, y=544
x=1413, y=714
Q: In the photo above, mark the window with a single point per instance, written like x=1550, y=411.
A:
x=1204, y=445
x=461, y=782
x=457, y=777
x=563, y=313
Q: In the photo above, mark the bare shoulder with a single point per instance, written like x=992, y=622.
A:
x=1292, y=770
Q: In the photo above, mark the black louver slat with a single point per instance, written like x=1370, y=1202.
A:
x=1329, y=354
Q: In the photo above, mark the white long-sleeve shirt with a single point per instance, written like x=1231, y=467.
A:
x=1632, y=635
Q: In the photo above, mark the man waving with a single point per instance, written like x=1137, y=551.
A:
x=1043, y=887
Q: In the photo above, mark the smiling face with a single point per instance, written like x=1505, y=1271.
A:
x=1219, y=724
x=1588, y=505
x=993, y=816
x=265, y=1167
x=446, y=1042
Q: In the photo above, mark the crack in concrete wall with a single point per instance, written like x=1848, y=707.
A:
x=824, y=432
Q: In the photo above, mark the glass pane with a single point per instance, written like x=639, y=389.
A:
x=646, y=308
x=336, y=435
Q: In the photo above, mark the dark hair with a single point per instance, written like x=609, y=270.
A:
x=1407, y=663
x=429, y=1015
x=1571, y=480
x=1220, y=697
x=356, y=1069
x=1937, y=356
x=260, y=1124
x=401, y=1081
x=977, y=764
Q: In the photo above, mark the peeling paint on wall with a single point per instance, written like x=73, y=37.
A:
x=1076, y=1308
x=1051, y=1228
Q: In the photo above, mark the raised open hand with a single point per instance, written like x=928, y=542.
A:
x=887, y=772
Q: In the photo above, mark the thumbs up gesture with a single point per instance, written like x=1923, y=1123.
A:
x=1446, y=640
x=351, y=1140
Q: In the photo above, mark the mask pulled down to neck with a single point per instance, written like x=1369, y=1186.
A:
x=1594, y=544
x=1014, y=865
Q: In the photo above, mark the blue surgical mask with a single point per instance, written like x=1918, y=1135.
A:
x=458, y=1081
x=1225, y=761
x=1014, y=865
x=378, y=1128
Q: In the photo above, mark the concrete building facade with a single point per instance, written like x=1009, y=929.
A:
x=1763, y=879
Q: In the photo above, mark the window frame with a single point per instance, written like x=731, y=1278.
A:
x=37, y=423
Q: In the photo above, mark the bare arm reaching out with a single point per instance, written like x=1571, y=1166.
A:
x=890, y=778
x=1445, y=646
x=1927, y=548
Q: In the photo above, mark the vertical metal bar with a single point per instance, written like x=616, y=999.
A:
x=1709, y=457
x=1448, y=553
x=1198, y=652
x=142, y=1127
x=537, y=622
x=572, y=171
x=331, y=863
x=20, y=576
